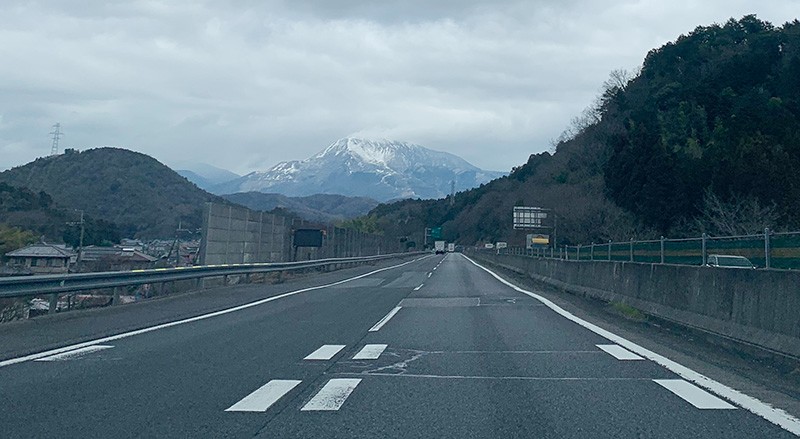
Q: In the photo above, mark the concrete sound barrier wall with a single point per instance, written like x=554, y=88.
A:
x=237, y=235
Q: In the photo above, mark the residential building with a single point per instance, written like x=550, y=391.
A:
x=42, y=258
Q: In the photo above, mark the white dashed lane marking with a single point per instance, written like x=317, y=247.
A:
x=75, y=354
x=333, y=395
x=370, y=352
x=264, y=397
x=694, y=395
x=385, y=319
x=619, y=352
x=326, y=352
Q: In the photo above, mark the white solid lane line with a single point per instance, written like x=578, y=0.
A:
x=385, y=319
x=264, y=397
x=775, y=415
x=370, y=352
x=694, y=395
x=333, y=395
x=75, y=354
x=98, y=341
x=325, y=352
x=619, y=352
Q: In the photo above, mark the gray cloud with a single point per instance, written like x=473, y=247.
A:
x=245, y=84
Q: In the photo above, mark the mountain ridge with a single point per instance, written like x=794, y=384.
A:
x=144, y=197
x=328, y=208
x=378, y=169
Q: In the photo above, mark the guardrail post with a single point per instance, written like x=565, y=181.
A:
x=662, y=249
x=609, y=250
x=591, y=253
x=53, y=303
x=767, y=248
x=703, y=249
x=631, y=249
x=115, y=297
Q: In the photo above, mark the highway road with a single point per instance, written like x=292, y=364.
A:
x=435, y=347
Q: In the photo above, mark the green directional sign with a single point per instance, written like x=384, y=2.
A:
x=436, y=233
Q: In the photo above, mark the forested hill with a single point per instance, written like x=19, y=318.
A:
x=718, y=109
x=143, y=197
x=706, y=137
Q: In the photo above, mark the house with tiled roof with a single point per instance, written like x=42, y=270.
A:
x=42, y=258
x=117, y=258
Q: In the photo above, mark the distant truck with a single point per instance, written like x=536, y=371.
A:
x=439, y=247
x=451, y=247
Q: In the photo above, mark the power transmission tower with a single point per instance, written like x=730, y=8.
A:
x=56, y=133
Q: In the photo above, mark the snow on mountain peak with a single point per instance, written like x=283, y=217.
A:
x=377, y=152
x=381, y=169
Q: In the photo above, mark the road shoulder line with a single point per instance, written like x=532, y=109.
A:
x=772, y=414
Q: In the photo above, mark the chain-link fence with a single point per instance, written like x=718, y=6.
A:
x=765, y=250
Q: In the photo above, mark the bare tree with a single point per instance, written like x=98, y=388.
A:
x=739, y=215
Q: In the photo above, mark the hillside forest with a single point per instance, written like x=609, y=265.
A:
x=704, y=137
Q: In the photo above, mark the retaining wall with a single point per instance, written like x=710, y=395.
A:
x=759, y=307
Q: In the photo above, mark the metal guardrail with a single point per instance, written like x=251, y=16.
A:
x=26, y=286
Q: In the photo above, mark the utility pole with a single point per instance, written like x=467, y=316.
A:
x=452, y=192
x=56, y=133
x=81, y=223
x=177, y=243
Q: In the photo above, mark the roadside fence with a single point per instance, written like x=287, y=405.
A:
x=765, y=250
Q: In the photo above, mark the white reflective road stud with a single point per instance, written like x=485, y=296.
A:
x=75, y=354
x=333, y=395
x=370, y=352
x=326, y=352
x=694, y=395
x=619, y=352
x=264, y=397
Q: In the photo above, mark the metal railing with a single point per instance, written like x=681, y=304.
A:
x=765, y=250
x=55, y=284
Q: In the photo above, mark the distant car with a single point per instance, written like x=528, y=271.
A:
x=729, y=261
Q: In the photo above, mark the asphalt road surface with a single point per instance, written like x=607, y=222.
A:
x=437, y=347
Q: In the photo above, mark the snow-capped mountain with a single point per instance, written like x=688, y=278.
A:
x=379, y=169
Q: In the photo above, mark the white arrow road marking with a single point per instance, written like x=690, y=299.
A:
x=619, y=352
x=332, y=396
x=326, y=352
x=264, y=397
x=75, y=354
x=370, y=352
x=385, y=319
x=694, y=395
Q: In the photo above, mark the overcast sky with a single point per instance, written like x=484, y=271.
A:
x=245, y=84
